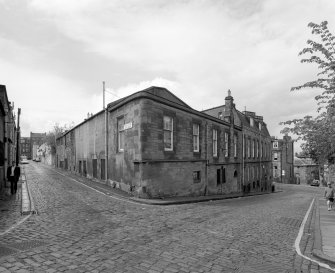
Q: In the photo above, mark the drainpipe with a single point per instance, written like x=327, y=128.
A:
x=206, y=157
x=106, y=133
x=281, y=166
x=259, y=156
x=18, y=136
x=243, y=154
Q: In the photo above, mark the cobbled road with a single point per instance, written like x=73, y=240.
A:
x=79, y=229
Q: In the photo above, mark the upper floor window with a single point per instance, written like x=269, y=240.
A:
x=253, y=148
x=168, y=133
x=275, y=156
x=248, y=147
x=215, y=142
x=235, y=145
x=120, y=126
x=226, y=145
x=251, y=122
x=196, y=137
x=257, y=150
x=275, y=144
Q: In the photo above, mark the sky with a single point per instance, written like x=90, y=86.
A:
x=55, y=54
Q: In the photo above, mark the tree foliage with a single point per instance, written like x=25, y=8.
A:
x=58, y=130
x=318, y=134
x=321, y=53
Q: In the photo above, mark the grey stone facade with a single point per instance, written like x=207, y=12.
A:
x=158, y=146
x=283, y=160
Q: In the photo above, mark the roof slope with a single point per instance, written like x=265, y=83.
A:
x=155, y=91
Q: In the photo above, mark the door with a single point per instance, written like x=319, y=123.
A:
x=94, y=163
x=102, y=168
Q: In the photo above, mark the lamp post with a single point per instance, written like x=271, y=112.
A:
x=18, y=137
x=106, y=132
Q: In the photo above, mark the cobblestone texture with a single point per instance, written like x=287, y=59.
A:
x=77, y=229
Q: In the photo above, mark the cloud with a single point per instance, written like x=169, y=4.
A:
x=196, y=49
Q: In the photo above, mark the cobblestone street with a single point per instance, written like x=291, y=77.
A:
x=80, y=229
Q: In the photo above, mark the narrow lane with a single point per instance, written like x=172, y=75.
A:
x=78, y=229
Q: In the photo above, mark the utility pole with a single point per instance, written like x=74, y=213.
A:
x=106, y=132
x=18, y=137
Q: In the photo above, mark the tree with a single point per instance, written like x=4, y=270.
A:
x=321, y=53
x=57, y=131
x=318, y=133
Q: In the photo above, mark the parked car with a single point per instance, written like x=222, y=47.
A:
x=24, y=160
x=315, y=183
x=37, y=159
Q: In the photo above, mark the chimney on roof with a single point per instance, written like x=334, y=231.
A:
x=229, y=101
x=229, y=105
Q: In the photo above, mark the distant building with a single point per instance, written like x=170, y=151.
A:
x=283, y=160
x=25, y=147
x=36, y=139
x=255, y=145
x=159, y=146
x=7, y=134
x=305, y=170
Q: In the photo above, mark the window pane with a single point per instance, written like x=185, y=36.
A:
x=235, y=145
x=215, y=134
x=167, y=123
x=226, y=144
x=195, y=143
x=167, y=140
x=196, y=137
x=168, y=133
x=120, y=126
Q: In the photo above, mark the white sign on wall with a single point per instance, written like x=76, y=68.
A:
x=128, y=125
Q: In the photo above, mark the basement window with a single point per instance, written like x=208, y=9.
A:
x=196, y=177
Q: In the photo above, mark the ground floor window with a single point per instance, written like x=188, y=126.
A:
x=220, y=176
x=196, y=177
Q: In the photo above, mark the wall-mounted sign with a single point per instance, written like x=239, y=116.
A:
x=128, y=125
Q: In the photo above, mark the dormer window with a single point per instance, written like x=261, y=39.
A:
x=275, y=145
x=251, y=122
x=220, y=115
x=260, y=126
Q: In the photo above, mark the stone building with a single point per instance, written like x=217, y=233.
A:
x=36, y=139
x=305, y=170
x=283, y=160
x=255, y=144
x=7, y=134
x=158, y=146
x=25, y=147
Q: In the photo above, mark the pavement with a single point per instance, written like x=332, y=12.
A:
x=13, y=208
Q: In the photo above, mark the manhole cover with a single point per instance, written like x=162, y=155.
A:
x=27, y=245
x=290, y=221
x=261, y=268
